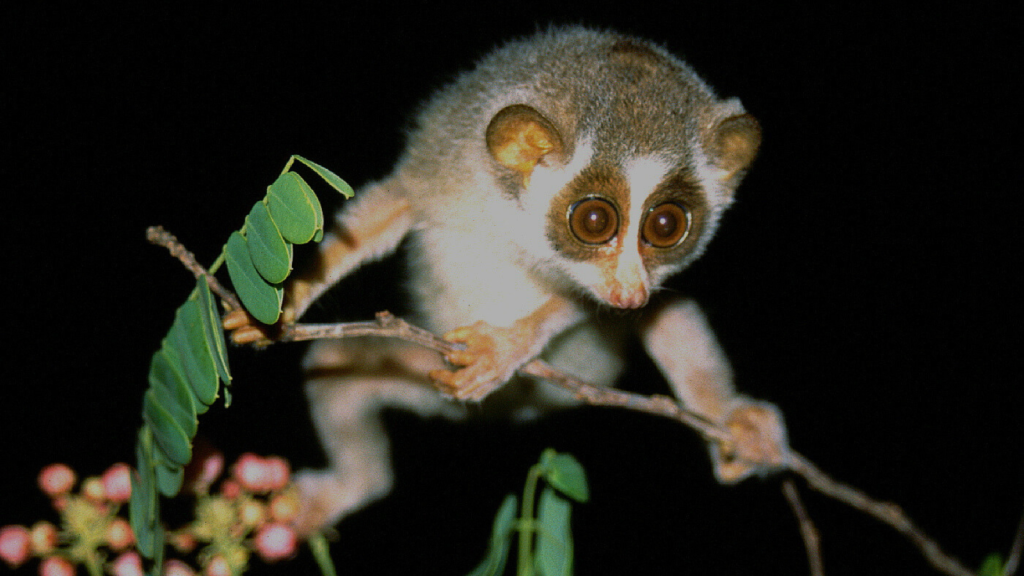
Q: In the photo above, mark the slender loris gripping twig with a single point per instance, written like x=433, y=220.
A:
x=568, y=171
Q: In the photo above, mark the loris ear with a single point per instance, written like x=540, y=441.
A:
x=734, y=145
x=518, y=137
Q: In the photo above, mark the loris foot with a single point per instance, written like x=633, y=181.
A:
x=759, y=442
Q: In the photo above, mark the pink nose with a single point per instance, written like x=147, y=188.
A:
x=628, y=297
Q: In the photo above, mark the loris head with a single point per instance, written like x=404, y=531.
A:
x=620, y=154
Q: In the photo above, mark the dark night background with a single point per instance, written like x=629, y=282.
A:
x=867, y=280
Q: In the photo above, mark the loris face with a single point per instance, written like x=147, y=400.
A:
x=628, y=194
x=621, y=230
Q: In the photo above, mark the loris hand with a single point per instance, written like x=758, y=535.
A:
x=247, y=330
x=491, y=357
x=759, y=442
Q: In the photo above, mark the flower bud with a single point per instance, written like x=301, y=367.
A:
x=251, y=472
x=119, y=534
x=278, y=472
x=275, y=542
x=56, y=566
x=117, y=483
x=15, y=545
x=93, y=490
x=127, y=564
x=43, y=537
x=56, y=479
x=175, y=567
x=285, y=507
x=217, y=566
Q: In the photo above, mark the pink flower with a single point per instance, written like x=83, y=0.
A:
x=56, y=566
x=252, y=472
x=56, y=479
x=127, y=564
x=176, y=567
x=14, y=545
x=275, y=542
x=211, y=467
x=117, y=483
x=277, y=471
x=217, y=566
x=119, y=534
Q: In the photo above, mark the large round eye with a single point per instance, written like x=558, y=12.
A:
x=666, y=225
x=593, y=220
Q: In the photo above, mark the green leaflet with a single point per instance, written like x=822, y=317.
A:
x=328, y=176
x=169, y=348
x=189, y=340
x=168, y=436
x=554, y=537
x=566, y=474
x=213, y=330
x=270, y=254
x=168, y=477
x=173, y=391
x=501, y=539
x=261, y=299
x=295, y=208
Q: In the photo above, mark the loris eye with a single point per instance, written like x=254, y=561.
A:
x=593, y=220
x=666, y=225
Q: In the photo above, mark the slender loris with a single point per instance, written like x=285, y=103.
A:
x=568, y=172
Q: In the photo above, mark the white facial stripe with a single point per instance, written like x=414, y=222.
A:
x=552, y=180
x=546, y=182
x=643, y=175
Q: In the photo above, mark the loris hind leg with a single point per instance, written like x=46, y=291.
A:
x=349, y=383
x=681, y=343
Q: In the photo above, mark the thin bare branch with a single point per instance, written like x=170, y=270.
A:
x=812, y=542
x=161, y=237
x=886, y=512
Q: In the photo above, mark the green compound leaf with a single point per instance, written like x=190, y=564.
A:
x=168, y=436
x=189, y=340
x=173, y=391
x=271, y=255
x=295, y=208
x=144, y=514
x=261, y=299
x=501, y=539
x=213, y=330
x=329, y=177
x=566, y=474
x=554, y=537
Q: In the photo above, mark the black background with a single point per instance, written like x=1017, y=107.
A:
x=867, y=280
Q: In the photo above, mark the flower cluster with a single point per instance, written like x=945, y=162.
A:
x=251, y=510
x=90, y=528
